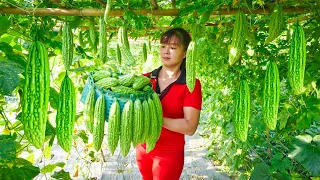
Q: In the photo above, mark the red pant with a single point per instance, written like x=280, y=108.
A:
x=159, y=165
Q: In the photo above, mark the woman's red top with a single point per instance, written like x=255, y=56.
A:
x=173, y=99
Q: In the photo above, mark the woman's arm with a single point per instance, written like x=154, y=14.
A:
x=187, y=125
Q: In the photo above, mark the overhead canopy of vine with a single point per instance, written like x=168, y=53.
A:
x=151, y=17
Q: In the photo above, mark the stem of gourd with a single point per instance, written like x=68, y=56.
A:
x=268, y=139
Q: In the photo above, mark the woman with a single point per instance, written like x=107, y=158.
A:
x=181, y=110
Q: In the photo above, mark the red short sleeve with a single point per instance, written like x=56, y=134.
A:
x=194, y=99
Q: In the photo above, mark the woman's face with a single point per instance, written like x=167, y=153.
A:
x=171, y=53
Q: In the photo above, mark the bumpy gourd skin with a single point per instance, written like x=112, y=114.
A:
x=242, y=111
x=154, y=127
x=66, y=114
x=239, y=36
x=126, y=128
x=138, y=123
x=276, y=23
x=67, y=46
x=297, y=60
x=124, y=46
x=271, y=96
x=99, y=120
x=88, y=113
x=191, y=67
x=114, y=126
x=36, y=94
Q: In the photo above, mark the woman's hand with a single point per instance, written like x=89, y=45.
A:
x=187, y=125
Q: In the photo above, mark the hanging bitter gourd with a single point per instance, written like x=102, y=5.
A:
x=242, y=111
x=124, y=46
x=149, y=45
x=114, y=126
x=138, y=123
x=92, y=34
x=205, y=16
x=67, y=45
x=92, y=30
x=36, y=94
x=126, y=128
x=146, y=121
x=153, y=134
x=297, y=60
x=88, y=113
x=99, y=119
x=158, y=109
x=239, y=35
x=103, y=40
x=271, y=95
x=118, y=54
x=81, y=38
x=276, y=23
x=107, y=11
x=191, y=66
x=144, y=52
x=66, y=114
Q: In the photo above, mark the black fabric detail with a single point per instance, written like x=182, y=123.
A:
x=165, y=91
x=181, y=80
x=155, y=72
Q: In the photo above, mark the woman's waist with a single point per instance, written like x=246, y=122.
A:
x=170, y=140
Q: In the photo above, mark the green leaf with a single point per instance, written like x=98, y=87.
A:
x=54, y=98
x=307, y=154
x=188, y=10
x=47, y=152
x=176, y=21
x=9, y=78
x=314, y=115
x=50, y=130
x=52, y=167
x=76, y=22
x=316, y=140
x=83, y=135
x=243, y=176
x=6, y=173
x=283, y=118
x=303, y=122
x=91, y=155
x=261, y=171
x=17, y=58
x=61, y=175
x=6, y=48
x=7, y=149
x=23, y=169
x=30, y=158
x=2, y=122
x=19, y=117
x=279, y=176
x=7, y=38
x=206, y=15
x=79, y=69
x=5, y=24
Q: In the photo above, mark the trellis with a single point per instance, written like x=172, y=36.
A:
x=153, y=12
x=85, y=12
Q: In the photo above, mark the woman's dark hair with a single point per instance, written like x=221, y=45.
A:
x=182, y=38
